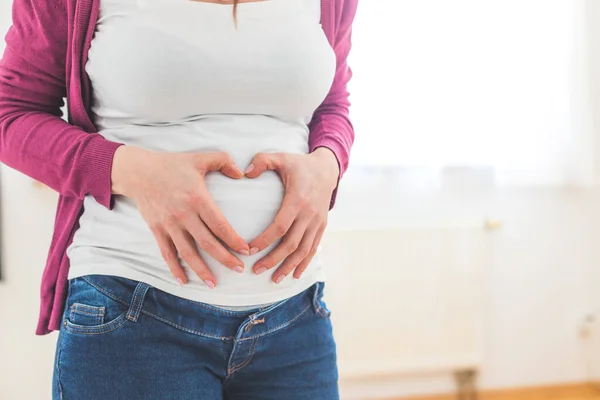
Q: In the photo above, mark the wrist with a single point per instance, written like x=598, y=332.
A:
x=124, y=160
x=329, y=163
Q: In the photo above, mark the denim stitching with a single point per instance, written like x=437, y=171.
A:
x=87, y=307
x=135, y=308
x=109, y=294
x=241, y=365
x=78, y=308
x=316, y=296
x=199, y=333
x=117, y=298
x=140, y=299
x=279, y=326
x=94, y=330
x=132, y=305
x=217, y=309
x=99, y=318
x=324, y=313
x=69, y=287
x=203, y=305
x=203, y=334
x=59, y=384
x=317, y=299
x=78, y=311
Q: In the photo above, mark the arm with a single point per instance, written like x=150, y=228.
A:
x=330, y=126
x=34, y=139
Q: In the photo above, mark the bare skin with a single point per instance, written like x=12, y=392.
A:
x=171, y=195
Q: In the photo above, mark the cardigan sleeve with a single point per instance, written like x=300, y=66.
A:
x=330, y=126
x=34, y=139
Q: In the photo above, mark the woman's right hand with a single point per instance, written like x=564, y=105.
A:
x=170, y=193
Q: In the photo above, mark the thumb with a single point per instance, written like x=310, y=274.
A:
x=224, y=163
x=263, y=162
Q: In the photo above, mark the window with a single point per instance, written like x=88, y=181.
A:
x=498, y=83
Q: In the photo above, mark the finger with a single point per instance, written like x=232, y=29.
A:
x=304, y=264
x=207, y=242
x=297, y=256
x=221, y=161
x=169, y=254
x=287, y=246
x=280, y=226
x=189, y=253
x=214, y=219
x=263, y=162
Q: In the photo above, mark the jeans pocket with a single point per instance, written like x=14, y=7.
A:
x=89, y=311
x=85, y=314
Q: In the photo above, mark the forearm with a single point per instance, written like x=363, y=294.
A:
x=63, y=157
x=34, y=139
x=330, y=126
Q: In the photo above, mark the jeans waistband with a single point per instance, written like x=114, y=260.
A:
x=203, y=319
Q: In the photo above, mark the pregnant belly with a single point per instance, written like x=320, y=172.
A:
x=249, y=205
x=121, y=234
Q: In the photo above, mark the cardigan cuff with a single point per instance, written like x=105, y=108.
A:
x=99, y=154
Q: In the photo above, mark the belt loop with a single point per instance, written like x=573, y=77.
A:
x=136, y=302
x=316, y=296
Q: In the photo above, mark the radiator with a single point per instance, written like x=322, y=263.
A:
x=406, y=300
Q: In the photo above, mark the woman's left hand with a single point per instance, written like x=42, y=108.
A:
x=309, y=181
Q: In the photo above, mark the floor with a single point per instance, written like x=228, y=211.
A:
x=574, y=393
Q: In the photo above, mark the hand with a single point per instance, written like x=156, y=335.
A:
x=170, y=193
x=309, y=181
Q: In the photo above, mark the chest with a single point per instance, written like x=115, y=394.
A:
x=163, y=60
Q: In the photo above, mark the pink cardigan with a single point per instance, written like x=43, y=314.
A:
x=46, y=51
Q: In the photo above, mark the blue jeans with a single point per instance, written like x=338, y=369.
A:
x=122, y=339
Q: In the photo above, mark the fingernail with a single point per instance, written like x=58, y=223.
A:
x=254, y=250
x=244, y=252
x=279, y=278
x=249, y=169
x=261, y=270
x=210, y=284
x=238, y=269
x=180, y=281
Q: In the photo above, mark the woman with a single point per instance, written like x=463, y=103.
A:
x=199, y=161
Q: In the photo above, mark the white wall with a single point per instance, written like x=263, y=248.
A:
x=25, y=359
x=27, y=220
x=537, y=285
x=543, y=279
x=593, y=14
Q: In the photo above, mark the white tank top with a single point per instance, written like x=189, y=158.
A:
x=177, y=76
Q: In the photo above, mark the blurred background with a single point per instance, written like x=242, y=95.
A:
x=463, y=254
